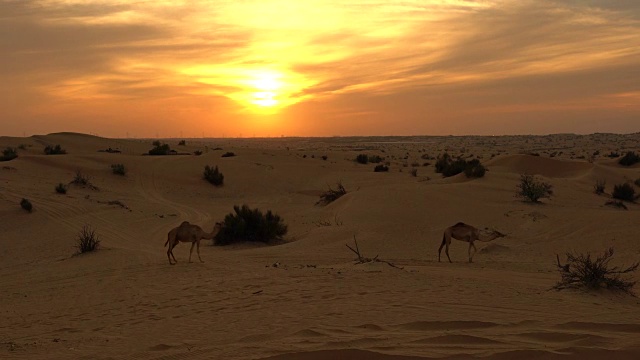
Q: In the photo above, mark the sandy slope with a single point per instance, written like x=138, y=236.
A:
x=306, y=299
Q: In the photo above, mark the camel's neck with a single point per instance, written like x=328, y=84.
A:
x=212, y=234
x=485, y=238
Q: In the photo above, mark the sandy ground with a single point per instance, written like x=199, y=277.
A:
x=307, y=299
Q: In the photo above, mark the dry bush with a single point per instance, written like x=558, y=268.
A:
x=119, y=169
x=624, y=192
x=583, y=272
x=250, y=225
x=332, y=194
x=630, y=158
x=381, y=168
x=213, y=175
x=54, y=150
x=616, y=204
x=9, y=154
x=599, y=186
x=87, y=240
x=61, y=188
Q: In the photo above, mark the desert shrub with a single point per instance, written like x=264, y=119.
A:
x=213, y=175
x=118, y=169
x=332, y=194
x=613, y=155
x=630, y=158
x=182, y=142
x=197, y=152
x=362, y=159
x=81, y=179
x=474, y=169
x=228, y=154
x=54, y=150
x=22, y=146
x=582, y=272
x=599, y=186
x=375, y=159
x=247, y=224
x=87, y=240
x=637, y=182
x=624, y=192
x=381, y=168
x=531, y=189
x=414, y=172
x=26, y=205
x=9, y=154
x=616, y=204
x=160, y=148
x=324, y=157
x=61, y=188
x=448, y=166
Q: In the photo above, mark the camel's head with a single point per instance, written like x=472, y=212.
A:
x=495, y=233
x=217, y=226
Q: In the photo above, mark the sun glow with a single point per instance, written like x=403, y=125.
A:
x=268, y=85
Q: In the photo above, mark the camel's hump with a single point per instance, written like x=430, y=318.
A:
x=460, y=224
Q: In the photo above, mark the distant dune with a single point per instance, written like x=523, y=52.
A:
x=306, y=298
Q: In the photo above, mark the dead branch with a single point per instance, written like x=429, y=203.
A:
x=363, y=260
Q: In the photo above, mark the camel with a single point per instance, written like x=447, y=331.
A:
x=188, y=233
x=468, y=233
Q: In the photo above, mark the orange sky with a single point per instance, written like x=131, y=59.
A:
x=319, y=68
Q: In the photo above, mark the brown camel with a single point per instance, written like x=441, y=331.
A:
x=468, y=233
x=188, y=233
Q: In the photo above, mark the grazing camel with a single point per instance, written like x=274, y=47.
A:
x=188, y=233
x=468, y=233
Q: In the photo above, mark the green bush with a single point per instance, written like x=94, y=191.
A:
x=61, y=188
x=87, y=240
x=624, y=192
x=474, y=169
x=54, y=150
x=531, y=189
x=630, y=158
x=160, y=149
x=213, y=175
x=9, y=154
x=250, y=225
x=448, y=166
x=26, y=205
x=119, y=169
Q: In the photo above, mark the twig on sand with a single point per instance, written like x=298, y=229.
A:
x=363, y=260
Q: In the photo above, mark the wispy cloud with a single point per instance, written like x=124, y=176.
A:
x=442, y=60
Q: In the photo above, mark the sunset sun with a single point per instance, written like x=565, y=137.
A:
x=267, y=85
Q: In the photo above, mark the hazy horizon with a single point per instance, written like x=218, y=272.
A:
x=319, y=68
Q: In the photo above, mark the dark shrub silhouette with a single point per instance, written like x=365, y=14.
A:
x=616, y=204
x=26, y=205
x=182, y=142
x=448, y=166
x=598, y=188
x=474, y=169
x=9, y=154
x=250, y=225
x=531, y=189
x=332, y=195
x=87, y=240
x=118, y=169
x=197, y=152
x=362, y=159
x=54, y=150
x=624, y=192
x=160, y=149
x=637, y=182
x=213, y=175
x=61, y=188
x=381, y=168
x=630, y=158
x=228, y=154
x=582, y=272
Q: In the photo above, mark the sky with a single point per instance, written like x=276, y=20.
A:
x=271, y=68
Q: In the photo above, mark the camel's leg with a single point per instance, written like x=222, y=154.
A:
x=475, y=250
x=173, y=246
x=191, y=251
x=444, y=240
x=170, y=253
x=198, y=250
x=446, y=249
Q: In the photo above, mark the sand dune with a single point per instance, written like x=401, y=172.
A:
x=306, y=298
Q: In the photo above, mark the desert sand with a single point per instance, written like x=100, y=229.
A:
x=306, y=298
